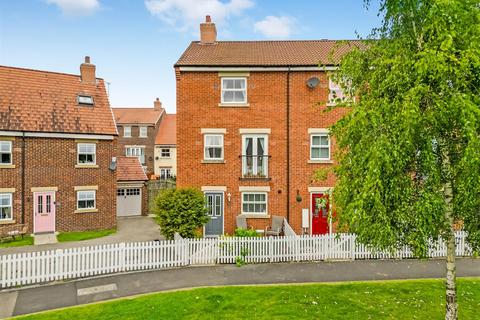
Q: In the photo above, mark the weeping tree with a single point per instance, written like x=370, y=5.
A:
x=409, y=149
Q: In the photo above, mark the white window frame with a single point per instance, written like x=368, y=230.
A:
x=9, y=143
x=162, y=153
x=87, y=192
x=94, y=154
x=205, y=146
x=10, y=198
x=168, y=173
x=222, y=90
x=142, y=134
x=254, y=153
x=125, y=135
x=320, y=146
x=254, y=202
x=134, y=154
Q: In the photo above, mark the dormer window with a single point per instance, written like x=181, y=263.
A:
x=85, y=100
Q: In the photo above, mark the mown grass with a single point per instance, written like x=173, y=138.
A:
x=415, y=299
x=84, y=235
x=18, y=242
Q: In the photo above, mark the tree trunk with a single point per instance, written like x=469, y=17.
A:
x=451, y=312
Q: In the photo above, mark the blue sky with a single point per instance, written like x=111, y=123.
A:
x=135, y=43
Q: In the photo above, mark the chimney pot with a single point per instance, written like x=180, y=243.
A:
x=87, y=72
x=208, y=31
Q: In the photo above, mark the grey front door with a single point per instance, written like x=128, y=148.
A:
x=215, y=211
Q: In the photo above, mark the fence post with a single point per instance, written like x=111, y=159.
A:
x=270, y=249
x=352, y=246
x=122, y=256
x=187, y=251
x=58, y=264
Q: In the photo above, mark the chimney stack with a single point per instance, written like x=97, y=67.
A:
x=208, y=31
x=157, y=105
x=87, y=71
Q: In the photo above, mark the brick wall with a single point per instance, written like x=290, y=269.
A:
x=198, y=96
x=51, y=163
x=135, y=140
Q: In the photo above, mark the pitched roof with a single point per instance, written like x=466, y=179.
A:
x=130, y=169
x=137, y=115
x=167, y=133
x=266, y=53
x=44, y=101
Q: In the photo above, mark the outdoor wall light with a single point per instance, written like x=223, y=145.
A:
x=229, y=197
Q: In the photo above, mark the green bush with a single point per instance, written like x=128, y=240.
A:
x=180, y=210
x=240, y=232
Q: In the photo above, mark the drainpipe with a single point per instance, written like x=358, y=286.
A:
x=23, y=177
x=288, y=144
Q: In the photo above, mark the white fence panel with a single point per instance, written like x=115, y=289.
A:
x=54, y=265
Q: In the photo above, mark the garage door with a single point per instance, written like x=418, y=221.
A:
x=129, y=202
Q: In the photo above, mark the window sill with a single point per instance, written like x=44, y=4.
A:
x=7, y=222
x=254, y=178
x=7, y=166
x=320, y=161
x=213, y=161
x=331, y=104
x=83, y=166
x=255, y=216
x=234, y=105
x=86, y=210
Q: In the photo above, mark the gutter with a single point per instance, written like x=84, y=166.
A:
x=288, y=144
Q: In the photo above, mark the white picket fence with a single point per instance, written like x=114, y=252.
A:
x=46, y=266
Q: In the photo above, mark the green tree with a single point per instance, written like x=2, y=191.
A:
x=409, y=149
x=182, y=211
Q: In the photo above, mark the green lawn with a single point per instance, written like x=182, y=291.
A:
x=18, y=242
x=417, y=299
x=85, y=235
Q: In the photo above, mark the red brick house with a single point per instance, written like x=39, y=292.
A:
x=166, y=148
x=137, y=128
x=251, y=132
x=58, y=140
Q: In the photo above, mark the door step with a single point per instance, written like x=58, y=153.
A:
x=44, y=238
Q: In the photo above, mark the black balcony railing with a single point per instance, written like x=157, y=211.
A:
x=254, y=166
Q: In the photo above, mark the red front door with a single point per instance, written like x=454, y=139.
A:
x=320, y=213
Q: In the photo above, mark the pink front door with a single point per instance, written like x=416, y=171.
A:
x=320, y=213
x=44, y=211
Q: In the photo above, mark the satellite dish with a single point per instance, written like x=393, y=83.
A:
x=313, y=82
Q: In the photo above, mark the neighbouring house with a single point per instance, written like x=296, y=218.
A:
x=58, y=143
x=131, y=190
x=252, y=131
x=166, y=148
x=137, y=129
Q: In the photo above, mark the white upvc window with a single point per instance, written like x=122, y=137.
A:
x=127, y=131
x=255, y=155
x=6, y=206
x=86, y=153
x=320, y=146
x=254, y=202
x=136, y=152
x=86, y=199
x=165, y=173
x=335, y=93
x=5, y=152
x=213, y=147
x=234, y=90
x=143, y=132
x=165, y=153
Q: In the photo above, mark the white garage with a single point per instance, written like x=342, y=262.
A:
x=130, y=187
x=129, y=202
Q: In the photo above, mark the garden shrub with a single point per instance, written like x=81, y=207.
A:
x=180, y=210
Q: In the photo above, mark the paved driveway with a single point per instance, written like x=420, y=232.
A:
x=131, y=229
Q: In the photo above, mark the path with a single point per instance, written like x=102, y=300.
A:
x=130, y=229
x=34, y=299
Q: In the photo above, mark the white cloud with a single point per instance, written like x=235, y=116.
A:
x=76, y=7
x=187, y=14
x=275, y=27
